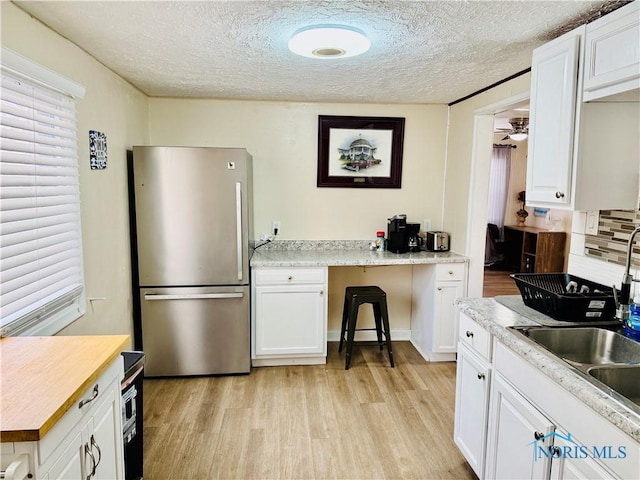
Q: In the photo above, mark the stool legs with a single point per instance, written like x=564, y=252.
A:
x=351, y=332
x=354, y=297
x=385, y=323
x=345, y=317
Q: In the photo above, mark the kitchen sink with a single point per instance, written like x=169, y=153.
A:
x=593, y=346
x=625, y=380
x=607, y=359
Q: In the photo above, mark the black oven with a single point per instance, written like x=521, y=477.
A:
x=132, y=414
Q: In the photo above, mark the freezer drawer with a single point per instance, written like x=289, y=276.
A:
x=195, y=330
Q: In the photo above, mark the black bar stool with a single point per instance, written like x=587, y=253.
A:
x=353, y=298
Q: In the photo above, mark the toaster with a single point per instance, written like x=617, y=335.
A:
x=437, y=242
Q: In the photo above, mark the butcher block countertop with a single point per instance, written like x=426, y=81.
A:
x=42, y=377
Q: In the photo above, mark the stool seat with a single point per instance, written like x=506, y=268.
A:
x=353, y=298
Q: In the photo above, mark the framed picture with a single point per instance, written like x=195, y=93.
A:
x=360, y=151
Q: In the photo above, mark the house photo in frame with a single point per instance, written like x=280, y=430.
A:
x=360, y=151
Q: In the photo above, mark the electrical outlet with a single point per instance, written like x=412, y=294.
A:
x=591, y=225
x=275, y=227
x=426, y=225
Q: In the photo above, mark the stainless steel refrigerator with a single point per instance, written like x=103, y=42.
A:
x=193, y=234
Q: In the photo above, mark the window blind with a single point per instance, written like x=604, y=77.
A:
x=40, y=236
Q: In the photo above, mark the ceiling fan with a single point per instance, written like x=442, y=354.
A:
x=519, y=129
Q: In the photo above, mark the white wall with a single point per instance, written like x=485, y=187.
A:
x=114, y=107
x=283, y=139
x=469, y=147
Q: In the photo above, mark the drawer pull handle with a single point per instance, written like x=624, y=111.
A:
x=89, y=400
x=481, y=376
x=538, y=435
x=469, y=334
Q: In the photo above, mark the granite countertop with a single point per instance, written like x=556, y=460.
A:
x=494, y=316
x=334, y=253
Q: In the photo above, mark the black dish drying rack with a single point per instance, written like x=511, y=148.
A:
x=566, y=297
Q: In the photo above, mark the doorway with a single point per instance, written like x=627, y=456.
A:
x=485, y=134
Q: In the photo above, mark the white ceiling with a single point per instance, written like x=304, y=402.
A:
x=422, y=51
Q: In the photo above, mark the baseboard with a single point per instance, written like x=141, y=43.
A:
x=367, y=336
x=275, y=362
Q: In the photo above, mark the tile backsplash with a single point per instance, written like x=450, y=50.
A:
x=614, y=229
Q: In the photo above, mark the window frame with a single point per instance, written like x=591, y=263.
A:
x=70, y=306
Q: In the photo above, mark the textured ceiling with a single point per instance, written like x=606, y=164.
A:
x=422, y=51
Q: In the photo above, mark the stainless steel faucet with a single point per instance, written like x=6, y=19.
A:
x=622, y=310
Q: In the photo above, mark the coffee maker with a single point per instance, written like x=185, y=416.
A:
x=414, y=241
x=397, y=234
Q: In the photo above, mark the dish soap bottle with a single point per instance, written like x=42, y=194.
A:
x=632, y=324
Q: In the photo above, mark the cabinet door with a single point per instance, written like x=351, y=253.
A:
x=472, y=405
x=554, y=78
x=445, y=327
x=612, y=56
x=565, y=467
x=290, y=319
x=519, y=436
x=106, y=435
x=69, y=464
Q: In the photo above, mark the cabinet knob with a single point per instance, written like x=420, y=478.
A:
x=538, y=435
x=555, y=451
x=559, y=195
x=481, y=376
x=469, y=334
x=290, y=277
x=439, y=288
x=321, y=292
x=450, y=272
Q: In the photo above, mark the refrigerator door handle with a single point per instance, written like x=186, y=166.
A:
x=239, y=228
x=194, y=296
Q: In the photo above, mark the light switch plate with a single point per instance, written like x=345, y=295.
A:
x=591, y=223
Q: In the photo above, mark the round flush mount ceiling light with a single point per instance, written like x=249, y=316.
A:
x=329, y=41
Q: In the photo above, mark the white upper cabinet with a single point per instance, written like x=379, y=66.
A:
x=586, y=155
x=612, y=56
x=554, y=87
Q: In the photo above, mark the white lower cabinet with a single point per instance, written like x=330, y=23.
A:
x=472, y=401
x=534, y=428
x=86, y=443
x=519, y=436
x=289, y=316
x=434, y=317
x=575, y=464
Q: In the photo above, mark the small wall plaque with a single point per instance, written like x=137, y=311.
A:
x=97, y=150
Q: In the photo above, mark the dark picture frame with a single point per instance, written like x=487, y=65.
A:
x=360, y=152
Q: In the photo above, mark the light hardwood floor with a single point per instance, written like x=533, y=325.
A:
x=498, y=282
x=308, y=422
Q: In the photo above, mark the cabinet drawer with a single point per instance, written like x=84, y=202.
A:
x=287, y=275
x=74, y=415
x=476, y=337
x=450, y=271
